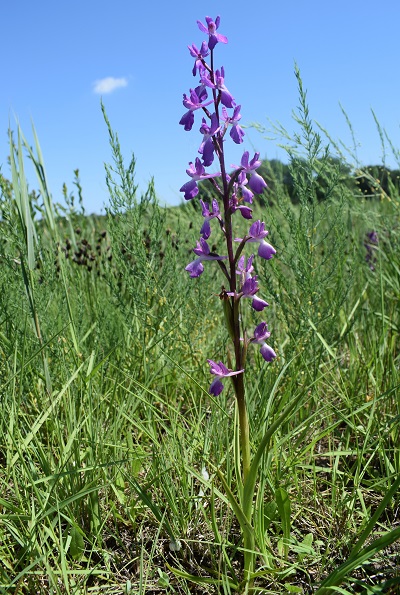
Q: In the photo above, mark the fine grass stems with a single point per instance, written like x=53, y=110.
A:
x=109, y=479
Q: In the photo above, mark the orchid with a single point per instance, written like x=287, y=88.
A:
x=257, y=233
x=241, y=183
x=203, y=252
x=245, y=211
x=261, y=333
x=205, y=231
x=199, y=55
x=249, y=289
x=193, y=102
x=226, y=97
x=245, y=270
x=236, y=132
x=211, y=29
x=231, y=194
x=197, y=173
x=207, y=146
x=256, y=182
x=220, y=371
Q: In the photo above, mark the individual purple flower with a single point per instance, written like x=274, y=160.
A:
x=236, y=132
x=226, y=98
x=245, y=270
x=211, y=30
x=207, y=146
x=371, y=243
x=242, y=184
x=193, y=102
x=199, y=55
x=372, y=237
x=202, y=250
x=256, y=182
x=245, y=211
x=261, y=333
x=256, y=234
x=208, y=215
x=249, y=289
x=197, y=173
x=220, y=371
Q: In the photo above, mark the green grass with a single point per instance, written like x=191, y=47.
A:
x=110, y=446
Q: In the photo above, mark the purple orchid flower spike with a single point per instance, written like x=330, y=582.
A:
x=226, y=98
x=208, y=215
x=249, y=289
x=256, y=234
x=197, y=173
x=211, y=30
x=193, y=102
x=199, y=55
x=261, y=333
x=202, y=250
x=256, y=182
x=207, y=146
x=220, y=371
x=236, y=132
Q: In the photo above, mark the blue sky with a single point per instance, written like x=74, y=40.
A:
x=59, y=59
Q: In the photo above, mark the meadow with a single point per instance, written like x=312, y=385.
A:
x=111, y=446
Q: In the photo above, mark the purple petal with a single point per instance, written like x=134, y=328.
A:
x=194, y=52
x=212, y=42
x=267, y=352
x=257, y=230
x=237, y=134
x=202, y=28
x=208, y=152
x=245, y=160
x=202, y=249
x=250, y=286
x=205, y=230
x=205, y=211
x=265, y=250
x=258, y=304
x=257, y=183
x=215, y=207
x=255, y=163
x=261, y=332
x=221, y=37
x=227, y=99
x=217, y=368
x=247, y=194
x=195, y=268
x=246, y=212
x=216, y=387
x=190, y=189
x=187, y=120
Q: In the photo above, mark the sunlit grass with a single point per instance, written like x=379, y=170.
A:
x=110, y=445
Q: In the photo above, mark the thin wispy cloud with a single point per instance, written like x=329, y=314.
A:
x=109, y=84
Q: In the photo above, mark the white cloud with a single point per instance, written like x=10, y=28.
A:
x=109, y=84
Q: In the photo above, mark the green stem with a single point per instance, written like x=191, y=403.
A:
x=244, y=427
